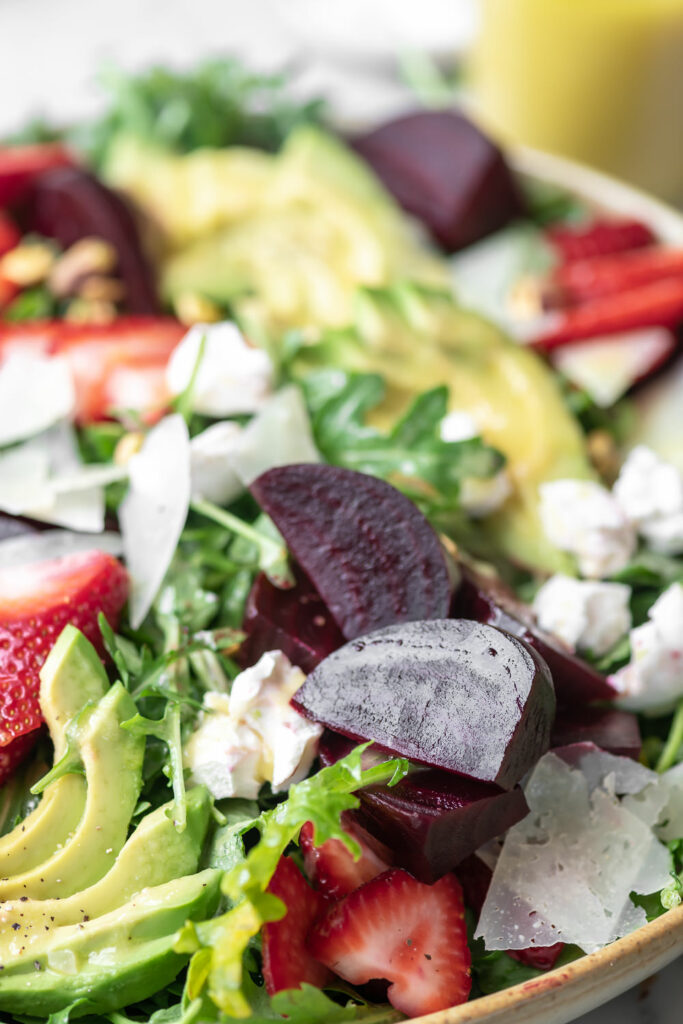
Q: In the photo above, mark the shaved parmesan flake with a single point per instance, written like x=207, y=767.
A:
x=619, y=775
x=35, y=392
x=38, y=547
x=78, y=508
x=211, y=454
x=279, y=435
x=23, y=479
x=567, y=870
x=661, y=804
x=153, y=513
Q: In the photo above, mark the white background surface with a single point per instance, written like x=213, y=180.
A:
x=50, y=51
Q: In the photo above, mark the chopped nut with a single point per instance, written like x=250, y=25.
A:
x=193, y=308
x=87, y=257
x=96, y=288
x=129, y=445
x=28, y=264
x=87, y=311
x=603, y=453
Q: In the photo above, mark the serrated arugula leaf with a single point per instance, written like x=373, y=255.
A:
x=413, y=456
x=167, y=729
x=218, y=945
x=310, y=1005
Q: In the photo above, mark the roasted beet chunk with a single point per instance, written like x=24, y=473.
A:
x=370, y=553
x=449, y=693
x=296, y=621
x=442, y=169
x=68, y=204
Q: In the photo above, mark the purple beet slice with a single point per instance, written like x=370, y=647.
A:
x=68, y=204
x=368, y=550
x=442, y=169
x=296, y=621
x=617, y=732
x=487, y=599
x=432, y=820
x=448, y=693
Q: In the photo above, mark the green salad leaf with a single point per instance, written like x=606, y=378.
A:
x=218, y=945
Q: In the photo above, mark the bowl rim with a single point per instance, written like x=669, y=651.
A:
x=665, y=933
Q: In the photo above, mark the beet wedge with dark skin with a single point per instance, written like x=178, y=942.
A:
x=68, y=204
x=449, y=693
x=368, y=550
x=432, y=820
x=442, y=169
x=295, y=621
x=487, y=599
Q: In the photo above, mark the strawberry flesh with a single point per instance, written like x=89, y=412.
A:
x=287, y=962
x=15, y=752
x=397, y=928
x=607, y=275
x=36, y=602
x=332, y=867
x=599, y=238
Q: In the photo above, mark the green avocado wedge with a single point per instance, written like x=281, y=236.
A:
x=111, y=758
x=156, y=853
x=117, y=959
x=71, y=677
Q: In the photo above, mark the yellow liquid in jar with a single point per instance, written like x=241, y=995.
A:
x=600, y=81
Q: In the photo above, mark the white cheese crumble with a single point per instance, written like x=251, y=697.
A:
x=231, y=376
x=653, y=678
x=650, y=492
x=567, y=870
x=586, y=615
x=253, y=735
x=458, y=426
x=583, y=518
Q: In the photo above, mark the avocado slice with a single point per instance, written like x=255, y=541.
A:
x=117, y=959
x=154, y=854
x=420, y=339
x=324, y=225
x=71, y=677
x=111, y=758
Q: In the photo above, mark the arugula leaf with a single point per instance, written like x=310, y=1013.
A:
x=167, y=729
x=218, y=945
x=412, y=455
x=271, y=551
x=310, y=1005
x=218, y=103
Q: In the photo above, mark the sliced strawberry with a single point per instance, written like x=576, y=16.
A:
x=287, y=962
x=120, y=365
x=397, y=928
x=584, y=280
x=14, y=753
x=599, y=238
x=21, y=165
x=332, y=867
x=36, y=602
x=659, y=304
x=543, y=958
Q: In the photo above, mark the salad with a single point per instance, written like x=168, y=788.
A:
x=341, y=565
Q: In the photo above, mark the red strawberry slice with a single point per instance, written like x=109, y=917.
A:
x=397, y=928
x=120, y=365
x=21, y=165
x=599, y=238
x=287, y=962
x=584, y=280
x=332, y=868
x=36, y=602
x=659, y=304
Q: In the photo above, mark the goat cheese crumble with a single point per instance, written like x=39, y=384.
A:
x=653, y=679
x=584, y=519
x=231, y=376
x=253, y=735
x=650, y=492
x=586, y=615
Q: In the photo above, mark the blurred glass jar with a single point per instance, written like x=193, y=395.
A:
x=600, y=81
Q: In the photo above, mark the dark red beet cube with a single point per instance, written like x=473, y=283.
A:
x=442, y=169
x=296, y=621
